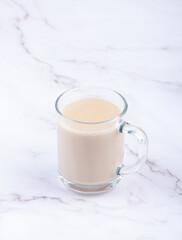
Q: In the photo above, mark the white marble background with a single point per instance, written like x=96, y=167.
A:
x=47, y=47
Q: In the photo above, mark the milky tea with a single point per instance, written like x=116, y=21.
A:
x=89, y=154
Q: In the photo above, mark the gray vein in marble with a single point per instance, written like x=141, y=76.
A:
x=45, y=20
x=165, y=172
x=97, y=205
x=19, y=198
x=85, y=62
x=113, y=212
x=107, y=211
x=62, y=79
x=149, y=179
x=177, y=84
x=142, y=77
x=65, y=80
x=57, y=77
x=153, y=167
x=138, y=49
x=132, y=75
x=95, y=208
x=26, y=14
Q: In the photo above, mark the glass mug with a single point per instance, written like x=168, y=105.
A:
x=90, y=154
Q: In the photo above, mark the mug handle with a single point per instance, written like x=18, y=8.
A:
x=141, y=138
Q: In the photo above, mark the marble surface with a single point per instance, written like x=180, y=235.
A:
x=47, y=47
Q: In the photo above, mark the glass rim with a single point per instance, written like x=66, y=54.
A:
x=106, y=121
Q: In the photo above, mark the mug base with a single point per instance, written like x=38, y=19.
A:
x=90, y=189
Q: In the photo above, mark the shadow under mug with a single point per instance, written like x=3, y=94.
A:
x=90, y=155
